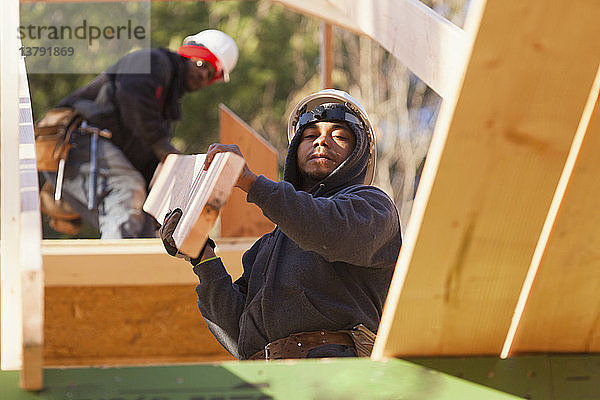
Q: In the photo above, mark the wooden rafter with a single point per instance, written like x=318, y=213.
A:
x=429, y=45
x=562, y=311
x=490, y=177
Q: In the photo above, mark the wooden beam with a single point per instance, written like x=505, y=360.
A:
x=131, y=262
x=183, y=183
x=326, y=65
x=562, y=311
x=429, y=45
x=490, y=176
x=238, y=217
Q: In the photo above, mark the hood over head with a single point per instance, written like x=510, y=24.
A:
x=333, y=106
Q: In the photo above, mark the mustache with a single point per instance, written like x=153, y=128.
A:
x=321, y=154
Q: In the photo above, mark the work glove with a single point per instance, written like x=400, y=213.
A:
x=166, y=235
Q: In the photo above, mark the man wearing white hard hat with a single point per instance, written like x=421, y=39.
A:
x=315, y=286
x=136, y=111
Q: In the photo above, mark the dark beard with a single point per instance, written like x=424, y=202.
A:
x=308, y=181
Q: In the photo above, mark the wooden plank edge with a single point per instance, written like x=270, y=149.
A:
x=434, y=155
x=220, y=189
x=30, y=246
x=195, y=239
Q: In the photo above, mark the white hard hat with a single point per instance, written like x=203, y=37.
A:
x=326, y=96
x=220, y=44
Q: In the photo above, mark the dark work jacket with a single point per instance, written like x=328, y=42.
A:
x=138, y=108
x=327, y=265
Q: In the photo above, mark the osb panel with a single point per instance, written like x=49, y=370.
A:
x=126, y=325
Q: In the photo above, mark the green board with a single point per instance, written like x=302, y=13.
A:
x=535, y=377
x=305, y=379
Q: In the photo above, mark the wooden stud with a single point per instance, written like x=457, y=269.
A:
x=326, y=65
x=30, y=246
x=22, y=275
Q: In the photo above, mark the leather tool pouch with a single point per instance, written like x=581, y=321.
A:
x=363, y=340
x=52, y=135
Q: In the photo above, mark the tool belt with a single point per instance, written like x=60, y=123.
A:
x=52, y=136
x=298, y=345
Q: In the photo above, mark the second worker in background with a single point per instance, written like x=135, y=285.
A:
x=139, y=110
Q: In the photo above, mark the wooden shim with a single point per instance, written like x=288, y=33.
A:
x=132, y=262
x=428, y=44
x=490, y=178
x=183, y=183
x=563, y=310
x=238, y=217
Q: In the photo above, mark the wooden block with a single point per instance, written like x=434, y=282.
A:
x=238, y=217
x=183, y=183
x=489, y=180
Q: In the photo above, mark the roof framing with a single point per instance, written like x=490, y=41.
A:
x=490, y=179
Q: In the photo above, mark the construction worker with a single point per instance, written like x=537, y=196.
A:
x=106, y=182
x=316, y=285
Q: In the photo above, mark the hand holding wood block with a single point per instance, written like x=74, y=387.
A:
x=183, y=183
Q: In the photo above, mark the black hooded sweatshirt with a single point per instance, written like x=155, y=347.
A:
x=327, y=265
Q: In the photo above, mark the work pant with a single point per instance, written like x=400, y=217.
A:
x=120, y=190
